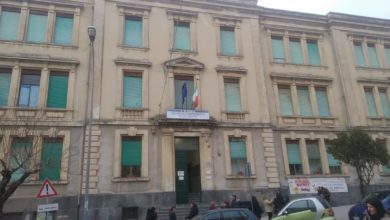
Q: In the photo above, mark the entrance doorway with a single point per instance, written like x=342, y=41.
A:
x=188, y=185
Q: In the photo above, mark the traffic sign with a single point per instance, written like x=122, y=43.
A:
x=47, y=190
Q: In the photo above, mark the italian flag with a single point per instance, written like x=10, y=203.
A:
x=195, y=97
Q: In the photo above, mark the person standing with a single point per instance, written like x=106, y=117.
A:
x=268, y=206
x=151, y=214
x=172, y=213
x=278, y=202
x=324, y=193
x=257, y=209
x=233, y=201
x=375, y=210
x=193, y=211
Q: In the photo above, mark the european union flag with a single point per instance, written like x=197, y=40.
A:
x=183, y=93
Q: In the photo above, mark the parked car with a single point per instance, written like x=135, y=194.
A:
x=227, y=214
x=358, y=210
x=311, y=208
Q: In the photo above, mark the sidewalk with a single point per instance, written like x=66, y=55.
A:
x=341, y=212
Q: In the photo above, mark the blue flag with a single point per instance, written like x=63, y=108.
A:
x=183, y=93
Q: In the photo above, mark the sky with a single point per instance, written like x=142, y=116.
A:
x=370, y=8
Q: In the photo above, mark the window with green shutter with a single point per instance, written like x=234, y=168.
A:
x=37, y=27
x=313, y=52
x=21, y=152
x=63, y=32
x=132, y=91
x=232, y=95
x=373, y=55
x=237, y=147
x=228, y=41
x=387, y=52
x=184, y=102
x=296, y=51
x=58, y=90
x=294, y=157
x=334, y=165
x=278, y=49
x=51, y=157
x=131, y=156
x=314, y=157
x=371, y=106
x=133, y=31
x=5, y=81
x=304, y=101
x=9, y=23
x=385, y=102
x=322, y=102
x=359, y=56
x=182, y=36
x=285, y=101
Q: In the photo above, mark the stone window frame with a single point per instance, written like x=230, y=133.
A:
x=386, y=138
x=302, y=139
x=37, y=137
x=52, y=10
x=304, y=37
x=237, y=133
x=294, y=81
x=131, y=131
x=231, y=22
x=380, y=45
x=137, y=11
x=187, y=17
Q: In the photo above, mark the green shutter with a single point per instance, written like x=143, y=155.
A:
x=133, y=31
x=58, y=91
x=36, y=31
x=293, y=153
x=296, y=51
x=5, y=80
x=304, y=101
x=131, y=151
x=322, y=102
x=228, y=41
x=51, y=156
x=20, y=150
x=314, y=54
x=372, y=111
x=232, y=97
x=359, y=56
x=9, y=25
x=331, y=160
x=188, y=104
x=285, y=102
x=278, y=49
x=182, y=36
x=385, y=103
x=387, y=51
x=312, y=151
x=373, y=56
x=237, y=149
x=132, y=92
x=63, y=33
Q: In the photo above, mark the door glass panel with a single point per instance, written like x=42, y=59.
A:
x=297, y=206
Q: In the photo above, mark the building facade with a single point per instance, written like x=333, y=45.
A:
x=193, y=100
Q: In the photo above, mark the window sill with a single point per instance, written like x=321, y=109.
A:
x=42, y=44
x=230, y=177
x=38, y=113
x=176, y=51
x=130, y=179
x=317, y=175
x=39, y=182
x=384, y=69
x=238, y=56
x=235, y=116
x=296, y=64
x=314, y=120
x=123, y=46
x=131, y=113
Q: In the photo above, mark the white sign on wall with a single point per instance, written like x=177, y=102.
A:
x=187, y=114
x=309, y=185
x=47, y=207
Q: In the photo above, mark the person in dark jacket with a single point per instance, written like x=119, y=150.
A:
x=233, y=201
x=278, y=202
x=193, y=211
x=375, y=210
x=172, y=213
x=151, y=214
x=257, y=209
x=324, y=193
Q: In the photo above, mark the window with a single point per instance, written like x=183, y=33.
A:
x=29, y=88
x=131, y=157
x=373, y=55
x=322, y=101
x=129, y=212
x=228, y=41
x=9, y=24
x=213, y=216
x=314, y=157
x=37, y=27
x=313, y=52
x=304, y=101
x=232, y=95
x=334, y=165
x=21, y=153
x=233, y=215
x=51, y=155
x=285, y=101
x=384, y=102
x=371, y=106
x=132, y=91
x=63, y=32
x=5, y=80
x=296, y=51
x=184, y=88
x=278, y=49
x=182, y=36
x=359, y=56
x=238, y=156
x=58, y=90
x=294, y=158
x=298, y=206
x=133, y=31
x=387, y=51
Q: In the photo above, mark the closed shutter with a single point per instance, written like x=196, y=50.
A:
x=278, y=49
x=387, y=51
x=314, y=54
x=182, y=36
x=296, y=51
x=20, y=151
x=36, y=31
x=58, y=91
x=63, y=33
x=232, y=96
x=372, y=111
x=293, y=153
x=373, y=56
x=331, y=160
x=322, y=102
x=51, y=156
x=304, y=101
x=237, y=148
x=228, y=41
x=131, y=151
x=285, y=102
x=133, y=31
x=5, y=80
x=9, y=24
x=359, y=56
x=179, y=81
x=132, y=91
x=385, y=103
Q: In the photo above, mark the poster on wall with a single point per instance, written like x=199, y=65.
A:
x=309, y=185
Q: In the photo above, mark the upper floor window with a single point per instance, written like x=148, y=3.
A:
x=322, y=101
x=369, y=53
x=227, y=41
x=58, y=90
x=5, y=81
x=359, y=56
x=51, y=157
x=278, y=49
x=132, y=91
x=238, y=156
x=377, y=99
x=63, y=32
x=37, y=27
x=384, y=102
x=372, y=110
x=387, y=54
x=29, y=88
x=232, y=95
x=314, y=157
x=21, y=155
x=9, y=23
x=133, y=34
x=334, y=165
x=182, y=40
x=305, y=108
x=286, y=107
x=131, y=156
x=295, y=51
x=373, y=55
x=184, y=89
x=294, y=157
x=313, y=52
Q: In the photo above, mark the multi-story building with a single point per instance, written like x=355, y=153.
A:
x=271, y=88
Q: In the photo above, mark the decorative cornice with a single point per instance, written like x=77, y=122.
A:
x=371, y=80
x=240, y=69
x=59, y=3
x=185, y=63
x=296, y=76
x=133, y=6
x=38, y=58
x=132, y=62
x=183, y=13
